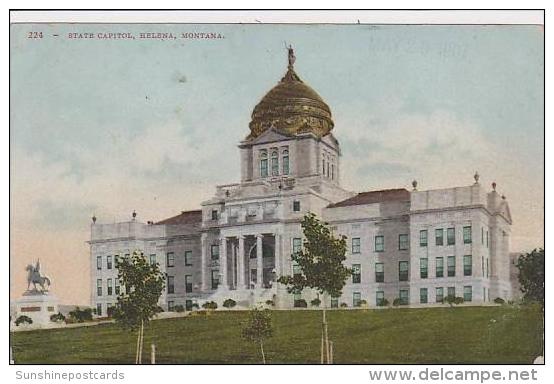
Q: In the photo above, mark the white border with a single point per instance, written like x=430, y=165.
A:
x=286, y=17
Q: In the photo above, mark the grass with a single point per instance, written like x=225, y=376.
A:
x=501, y=334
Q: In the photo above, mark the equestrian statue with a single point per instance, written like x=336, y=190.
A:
x=34, y=277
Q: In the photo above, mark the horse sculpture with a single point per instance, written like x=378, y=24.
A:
x=34, y=277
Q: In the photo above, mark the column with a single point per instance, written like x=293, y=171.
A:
x=233, y=265
x=277, y=256
x=240, y=263
x=203, y=253
x=224, y=283
x=259, y=258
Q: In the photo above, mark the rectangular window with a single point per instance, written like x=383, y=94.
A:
x=296, y=206
x=423, y=295
x=285, y=162
x=467, y=235
x=487, y=267
x=355, y=245
x=215, y=279
x=99, y=262
x=403, y=242
x=98, y=309
x=296, y=270
x=487, y=239
x=423, y=268
x=482, y=235
x=334, y=302
x=451, y=291
x=450, y=236
x=439, y=295
x=274, y=163
x=170, y=284
x=439, y=236
x=153, y=260
x=404, y=297
x=214, y=214
x=379, y=243
x=423, y=238
x=403, y=271
x=451, y=265
x=296, y=245
x=188, y=283
x=99, y=287
x=117, y=288
x=356, y=299
x=188, y=258
x=467, y=265
x=110, y=288
x=356, y=273
x=108, y=262
x=379, y=272
x=214, y=251
x=439, y=267
x=170, y=259
x=380, y=298
x=468, y=293
x=483, y=266
x=170, y=305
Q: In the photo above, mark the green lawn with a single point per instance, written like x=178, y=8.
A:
x=433, y=335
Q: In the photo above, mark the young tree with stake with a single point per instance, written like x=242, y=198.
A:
x=258, y=328
x=320, y=261
x=142, y=285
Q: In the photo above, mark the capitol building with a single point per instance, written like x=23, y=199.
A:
x=413, y=245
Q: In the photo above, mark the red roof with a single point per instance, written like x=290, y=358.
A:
x=373, y=197
x=186, y=217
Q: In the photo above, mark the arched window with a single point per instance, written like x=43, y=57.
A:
x=274, y=163
x=285, y=162
x=263, y=164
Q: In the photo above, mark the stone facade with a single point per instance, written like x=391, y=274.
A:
x=242, y=238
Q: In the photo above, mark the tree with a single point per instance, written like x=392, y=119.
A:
x=23, y=319
x=258, y=328
x=320, y=261
x=137, y=302
x=229, y=303
x=531, y=275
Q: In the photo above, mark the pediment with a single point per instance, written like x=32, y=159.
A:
x=269, y=136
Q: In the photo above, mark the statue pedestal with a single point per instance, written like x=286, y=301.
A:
x=38, y=306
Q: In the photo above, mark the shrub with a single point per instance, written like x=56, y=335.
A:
x=229, y=303
x=209, y=305
x=499, y=300
x=315, y=302
x=57, y=317
x=363, y=303
x=397, y=301
x=383, y=303
x=343, y=305
x=271, y=303
x=458, y=300
x=23, y=320
x=179, y=308
x=300, y=303
x=195, y=306
x=110, y=311
x=81, y=315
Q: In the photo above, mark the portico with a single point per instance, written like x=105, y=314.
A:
x=243, y=261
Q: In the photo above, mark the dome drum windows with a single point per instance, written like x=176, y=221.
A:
x=278, y=160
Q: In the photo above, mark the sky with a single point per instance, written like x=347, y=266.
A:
x=106, y=127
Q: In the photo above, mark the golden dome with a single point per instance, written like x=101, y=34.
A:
x=291, y=107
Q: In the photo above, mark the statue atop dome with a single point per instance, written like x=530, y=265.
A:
x=292, y=58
